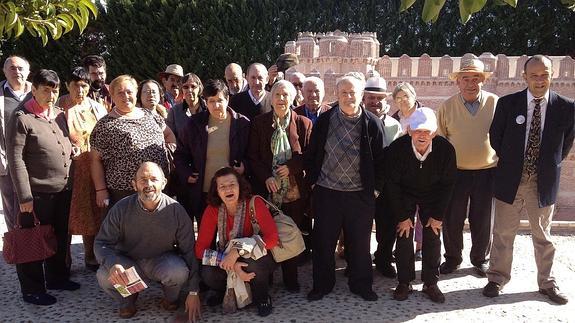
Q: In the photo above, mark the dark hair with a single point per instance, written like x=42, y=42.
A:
x=213, y=196
x=93, y=60
x=46, y=78
x=213, y=87
x=141, y=86
x=538, y=58
x=78, y=74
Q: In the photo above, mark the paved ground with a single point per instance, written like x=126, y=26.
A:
x=520, y=302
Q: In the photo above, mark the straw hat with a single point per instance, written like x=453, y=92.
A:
x=470, y=64
x=376, y=85
x=173, y=69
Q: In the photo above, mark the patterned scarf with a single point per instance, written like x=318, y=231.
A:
x=281, y=151
x=237, y=229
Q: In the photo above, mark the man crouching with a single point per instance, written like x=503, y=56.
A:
x=421, y=177
x=152, y=233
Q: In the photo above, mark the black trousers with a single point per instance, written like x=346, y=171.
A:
x=352, y=211
x=431, y=253
x=385, y=224
x=215, y=277
x=54, y=209
x=476, y=188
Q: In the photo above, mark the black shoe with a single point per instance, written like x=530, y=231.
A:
x=265, y=308
x=482, y=269
x=386, y=270
x=92, y=267
x=555, y=295
x=315, y=295
x=492, y=289
x=39, y=299
x=434, y=293
x=367, y=295
x=447, y=268
x=402, y=291
x=292, y=288
x=418, y=255
x=65, y=285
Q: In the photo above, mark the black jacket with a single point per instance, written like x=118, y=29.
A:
x=372, y=142
x=508, y=140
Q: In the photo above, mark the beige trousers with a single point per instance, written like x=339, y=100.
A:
x=507, y=219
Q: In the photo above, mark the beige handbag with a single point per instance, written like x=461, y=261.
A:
x=290, y=242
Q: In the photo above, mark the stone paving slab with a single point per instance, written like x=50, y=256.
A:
x=520, y=301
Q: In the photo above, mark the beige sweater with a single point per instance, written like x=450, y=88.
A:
x=468, y=133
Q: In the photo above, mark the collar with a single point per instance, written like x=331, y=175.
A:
x=144, y=208
x=254, y=99
x=419, y=156
x=530, y=97
x=477, y=101
x=33, y=107
x=18, y=94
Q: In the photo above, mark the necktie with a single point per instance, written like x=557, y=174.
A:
x=534, y=140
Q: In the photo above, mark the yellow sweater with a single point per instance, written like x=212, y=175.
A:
x=468, y=133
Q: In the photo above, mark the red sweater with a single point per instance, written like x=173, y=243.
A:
x=209, y=227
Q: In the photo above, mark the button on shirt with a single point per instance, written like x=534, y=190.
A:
x=530, y=109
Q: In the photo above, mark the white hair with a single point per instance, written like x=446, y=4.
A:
x=288, y=86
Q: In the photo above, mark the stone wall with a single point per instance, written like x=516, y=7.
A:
x=330, y=55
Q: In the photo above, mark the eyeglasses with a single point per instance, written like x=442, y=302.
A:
x=150, y=92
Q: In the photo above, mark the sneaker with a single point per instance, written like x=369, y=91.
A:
x=434, y=293
x=41, y=299
x=554, y=295
x=492, y=289
x=367, y=295
x=65, y=285
x=402, y=291
x=386, y=270
x=265, y=308
x=418, y=255
x=448, y=267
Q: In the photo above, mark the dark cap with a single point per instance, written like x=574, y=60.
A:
x=286, y=61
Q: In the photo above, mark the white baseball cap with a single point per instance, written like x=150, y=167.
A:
x=423, y=119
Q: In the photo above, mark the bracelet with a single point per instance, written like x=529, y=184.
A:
x=102, y=189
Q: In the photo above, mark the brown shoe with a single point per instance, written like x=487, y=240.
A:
x=168, y=306
x=128, y=311
x=402, y=291
x=434, y=294
x=554, y=295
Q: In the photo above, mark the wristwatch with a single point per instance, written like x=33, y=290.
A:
x=192, y=293
x=241, y=252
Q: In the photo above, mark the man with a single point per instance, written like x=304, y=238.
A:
x=255, y=100
x=171, y=81
x=532, y=132
x=235, y=79
x=297, y=80
x=313, y=93
x=99, y=90
x=464, y=120
x=345, y=163
x=374, y=99
x=421, y=172
x=144, y=231
x=13, y=91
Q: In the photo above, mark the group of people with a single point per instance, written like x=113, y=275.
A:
x=130, y=166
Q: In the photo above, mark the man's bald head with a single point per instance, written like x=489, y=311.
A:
x=257, y=78
x=149, y=167
x=234, y=77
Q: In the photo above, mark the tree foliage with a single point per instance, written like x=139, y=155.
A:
x=41, y=18
x=432, y=8
x=141, y=37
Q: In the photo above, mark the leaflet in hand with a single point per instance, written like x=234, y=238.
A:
x=135, y=283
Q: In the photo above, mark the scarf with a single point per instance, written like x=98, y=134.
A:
x=33, y=107
x=237, y=229
x=281, y=151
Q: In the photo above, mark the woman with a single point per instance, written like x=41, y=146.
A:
x=405, y=98
x=278, y=140
x=151, y=96
x=40, y=155
x=228, y=215
x=179, y=115
x=82, y=113
x=210, y=140
x=122, y=140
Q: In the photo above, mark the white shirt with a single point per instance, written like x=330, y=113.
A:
x=531, y=108
x=18, y=94
x=254, y=99
x=419, y=156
